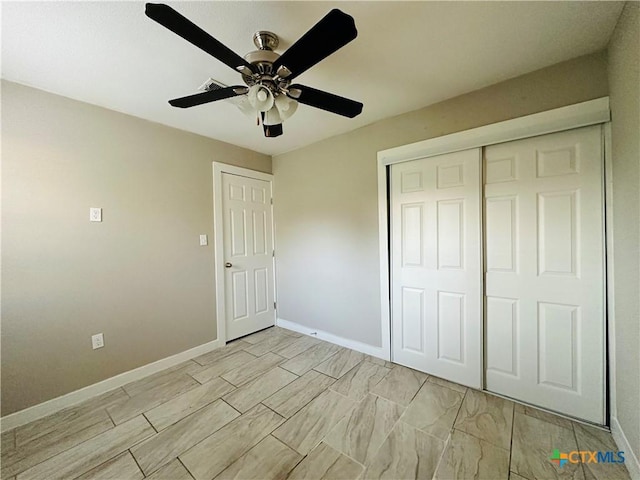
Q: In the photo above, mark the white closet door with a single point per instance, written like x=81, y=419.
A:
x=545, y=272
x=248, y=255
x=436, y=266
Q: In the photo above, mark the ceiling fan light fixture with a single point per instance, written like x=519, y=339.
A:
x=286, y=106
x=267, y=74
x=272, y=117
x=261, y=98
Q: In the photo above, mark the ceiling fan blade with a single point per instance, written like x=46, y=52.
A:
x=206, y=97
x=331, y=33
x=169, y=18
x=271, y=131
x=326, y=101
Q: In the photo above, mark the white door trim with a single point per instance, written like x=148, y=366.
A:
x=565, y=118
x=218, y=243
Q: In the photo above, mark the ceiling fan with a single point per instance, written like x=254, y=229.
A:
x=268, y=75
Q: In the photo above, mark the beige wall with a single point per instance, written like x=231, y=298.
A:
x=624, y=81
x=139, y=276
x=326, y=195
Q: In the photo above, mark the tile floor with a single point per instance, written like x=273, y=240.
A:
x=279, y=405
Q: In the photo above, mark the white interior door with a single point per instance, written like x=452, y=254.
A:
x=436, y=266
x=545, y=272
x=248, y=255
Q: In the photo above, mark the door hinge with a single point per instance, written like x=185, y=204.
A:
x=271, y=201
x=274, y=305
x=274, y=253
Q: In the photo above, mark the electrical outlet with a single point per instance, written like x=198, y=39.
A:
x=203, y=240
x=95, y=214
x=97, y=341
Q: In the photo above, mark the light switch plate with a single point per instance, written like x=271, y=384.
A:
x=203, y=240
x=95, y=214
x=97, y=341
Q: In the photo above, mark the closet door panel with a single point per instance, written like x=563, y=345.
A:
x=545, y=257
x=436, y=266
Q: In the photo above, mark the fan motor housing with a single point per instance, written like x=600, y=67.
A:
x=264, y=58
x=261, y=56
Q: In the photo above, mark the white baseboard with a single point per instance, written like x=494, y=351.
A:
x=630, y=459
x=54, y=405
x=372, y=350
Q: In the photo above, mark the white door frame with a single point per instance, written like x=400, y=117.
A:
x=565, y=118
x=218, y=235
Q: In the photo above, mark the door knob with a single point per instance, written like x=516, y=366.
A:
x=228, y=265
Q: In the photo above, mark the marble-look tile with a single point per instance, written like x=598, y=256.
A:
x=180, y=437
x=253, y=392
x=298, y=393
x=87, y=455
x=301, y=345
x=171, y=471
x=360, y=380
x=400, y=385
x=151, y=398
x=105, y=400
x=270, y=344
x=487, y=417
x=63, y=430
x=533, y=444
x=161, y=378
x=252, y=370
x=219, y=353
x=286, y=331
x=179, y=407
x=621, y=472
x=360, y=434
x=433, y=410
x=407, y=453
x=262, y=335
x=268, y=460
x=378, y=361
x=8, y=441
x=308, y=427
x=304, y=362
x=469, y=457
x=216, y=452
x=446, y=383
x=326, y=463
x=62, y=420
x=55, y=441
x=224, y=365
x=515, y=476
x=340, y=363
x=595, y=439
x=542, y=415
x=118, y=468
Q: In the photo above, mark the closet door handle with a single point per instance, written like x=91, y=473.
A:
x=228, y=265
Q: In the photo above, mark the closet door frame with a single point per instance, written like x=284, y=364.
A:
x=583, y=114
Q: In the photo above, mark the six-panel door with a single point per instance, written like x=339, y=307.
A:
x=545, y=272
x=436, y=266
x=248, y=254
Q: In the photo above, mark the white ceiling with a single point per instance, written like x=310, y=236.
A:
x=407, y=55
